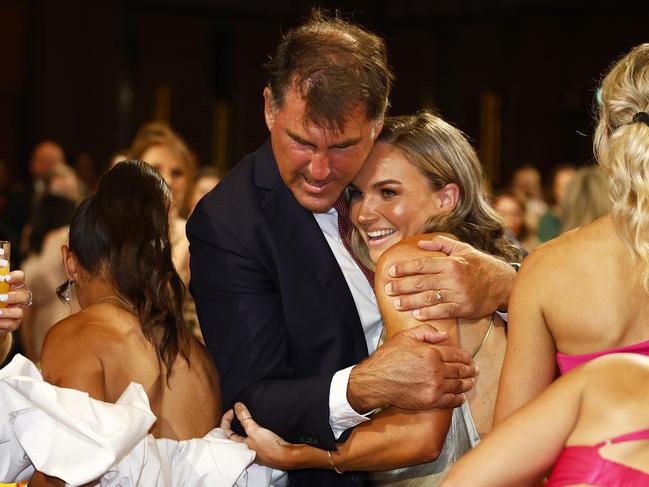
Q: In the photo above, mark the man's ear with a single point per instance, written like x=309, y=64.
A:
x=70, y=263
x=377, y=127
x=448, y=197
x=269, y=108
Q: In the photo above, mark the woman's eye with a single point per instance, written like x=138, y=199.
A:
x=387, y=193
x=177, y=173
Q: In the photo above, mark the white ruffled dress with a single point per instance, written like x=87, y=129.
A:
x=66, y=434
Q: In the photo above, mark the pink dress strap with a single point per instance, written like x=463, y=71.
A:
x=633, y=436
x=568, y=362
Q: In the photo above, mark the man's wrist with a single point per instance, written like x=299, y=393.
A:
x=362, y=397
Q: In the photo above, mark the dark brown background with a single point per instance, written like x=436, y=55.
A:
x=88, y=73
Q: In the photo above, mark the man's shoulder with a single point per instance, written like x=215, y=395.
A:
x=237, y=202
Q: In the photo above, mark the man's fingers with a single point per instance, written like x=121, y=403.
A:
x=455, y=356
x=426, y=333
x=450, y=400
x=421, y=265
x=439, y=244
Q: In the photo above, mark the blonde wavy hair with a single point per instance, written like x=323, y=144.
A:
x=5, y=346
x=622, y=150
x=443, y=155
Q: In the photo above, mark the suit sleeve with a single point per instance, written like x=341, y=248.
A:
x=241, y=315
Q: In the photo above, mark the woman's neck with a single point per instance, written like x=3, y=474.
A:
x=94, y=290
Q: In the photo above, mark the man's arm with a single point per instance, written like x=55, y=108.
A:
x=472, y=284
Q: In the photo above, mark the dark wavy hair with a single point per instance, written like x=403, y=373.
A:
x=122, y=233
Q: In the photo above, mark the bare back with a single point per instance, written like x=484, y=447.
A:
x=576, y=294
x=102, y=349
x=589, y=291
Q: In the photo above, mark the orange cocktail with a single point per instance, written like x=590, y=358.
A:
x=5, y=252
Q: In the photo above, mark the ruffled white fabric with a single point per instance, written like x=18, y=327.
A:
x=67, y=434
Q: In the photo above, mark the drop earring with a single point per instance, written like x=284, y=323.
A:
x=64, y=291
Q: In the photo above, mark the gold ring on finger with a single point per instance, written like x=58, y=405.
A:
x=440, y=296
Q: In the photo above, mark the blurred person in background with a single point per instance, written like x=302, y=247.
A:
x=526, y=184
x=586, y=198
x=63, y=180
x=45, y=269
x=550, y=223
x=512, y=209
x=206, y=179
x=45, y=157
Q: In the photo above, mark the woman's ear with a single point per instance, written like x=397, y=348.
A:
x=448, y=197
x=70, y=263
x=269, y=108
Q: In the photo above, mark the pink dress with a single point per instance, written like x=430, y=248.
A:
x=583, y=464
x=569, y=362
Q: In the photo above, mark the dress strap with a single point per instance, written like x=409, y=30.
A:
x=484, y=338
x=633, y=436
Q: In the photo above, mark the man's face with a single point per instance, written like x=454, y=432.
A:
x=315, y=163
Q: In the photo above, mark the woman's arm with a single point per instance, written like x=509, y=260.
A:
x=530, y=362
x=519, y=451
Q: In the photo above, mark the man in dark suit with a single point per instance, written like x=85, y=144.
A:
x=283, y=307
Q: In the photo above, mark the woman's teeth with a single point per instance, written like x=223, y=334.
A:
x=381, y=233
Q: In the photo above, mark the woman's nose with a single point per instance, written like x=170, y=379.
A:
x=366, y=213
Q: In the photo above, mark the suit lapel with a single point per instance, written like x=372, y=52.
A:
x=301, y=231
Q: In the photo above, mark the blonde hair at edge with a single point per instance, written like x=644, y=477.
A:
x=622, y=150
x=443, y=155
x=5, y=346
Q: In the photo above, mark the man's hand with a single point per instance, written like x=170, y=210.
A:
x=466, y=283
x=411, y=373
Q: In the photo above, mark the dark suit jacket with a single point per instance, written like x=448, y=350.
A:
x=273, y=305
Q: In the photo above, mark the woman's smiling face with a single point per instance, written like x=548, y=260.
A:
x=391, y=199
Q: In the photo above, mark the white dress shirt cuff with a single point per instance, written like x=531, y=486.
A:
x=341, y=415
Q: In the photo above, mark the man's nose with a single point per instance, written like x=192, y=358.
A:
x=319, y=166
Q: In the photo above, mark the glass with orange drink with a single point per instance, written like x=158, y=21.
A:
x=5, y=252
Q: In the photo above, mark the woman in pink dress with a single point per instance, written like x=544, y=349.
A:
x=581, y=296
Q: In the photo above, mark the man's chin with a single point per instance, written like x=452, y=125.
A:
x=316, y=204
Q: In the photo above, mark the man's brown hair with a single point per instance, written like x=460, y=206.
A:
x=336, y=65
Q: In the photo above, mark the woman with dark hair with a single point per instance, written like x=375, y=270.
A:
x=130, y=329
